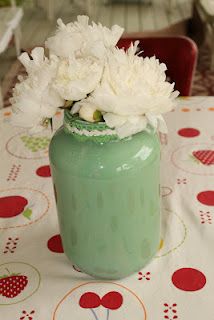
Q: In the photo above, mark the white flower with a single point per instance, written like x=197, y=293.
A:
x=87, y=111
x=77, y=77
x=37, y=63
x=83, y=40
x=125, y=126
x=34, y=98
x=132, y=92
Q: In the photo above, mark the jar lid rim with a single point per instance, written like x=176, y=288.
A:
x=98, y=131
x=75, y=118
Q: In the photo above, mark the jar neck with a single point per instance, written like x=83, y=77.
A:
x=84, y=130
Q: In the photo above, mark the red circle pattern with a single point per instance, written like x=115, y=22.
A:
x=206, y=197
x=188, y=279
x=188, y=132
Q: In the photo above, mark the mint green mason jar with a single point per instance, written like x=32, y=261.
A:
x=108, y=199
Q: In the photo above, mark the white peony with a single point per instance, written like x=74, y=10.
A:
x=37, y=62
x=83, y=40
x=34, y=98
x=87, y=111
x=128, y=91
x=76, y=78
x=132, y=92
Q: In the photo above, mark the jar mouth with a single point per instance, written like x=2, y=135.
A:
x=96, y=131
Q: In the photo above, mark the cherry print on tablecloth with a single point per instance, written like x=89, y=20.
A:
x=18, y=282
x=89, y=300
x=100, y=300
x=111, y=301
x=11, y=245
x=206, y=197
x=17, y=207
x=173, y=233
x=188, y=132
x=44, y=171
x=55, y=244
x=27, y=315
x=197, y=158
x=188, y=279
x=33, y=146
x=170, y=311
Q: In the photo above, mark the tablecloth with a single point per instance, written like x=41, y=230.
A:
x=39, y=283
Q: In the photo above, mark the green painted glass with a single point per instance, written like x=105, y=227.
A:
x=108, y=199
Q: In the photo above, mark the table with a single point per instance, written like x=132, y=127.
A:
x=177, y=284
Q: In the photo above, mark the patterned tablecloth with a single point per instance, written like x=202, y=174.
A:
x=39, y=283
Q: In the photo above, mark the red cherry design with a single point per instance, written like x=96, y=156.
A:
x=112, y=300
x=12, y=206
x=44, y=171
x=89, y=300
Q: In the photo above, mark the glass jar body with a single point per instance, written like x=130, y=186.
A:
x=108, y=201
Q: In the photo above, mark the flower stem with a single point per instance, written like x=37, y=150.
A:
x=107, y=314
x=94, y=313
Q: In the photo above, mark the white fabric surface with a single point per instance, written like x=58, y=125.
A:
x=160, y=290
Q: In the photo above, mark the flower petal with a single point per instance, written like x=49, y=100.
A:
x=128, y=128
x=114, y=120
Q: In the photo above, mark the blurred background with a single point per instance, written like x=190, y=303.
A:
x=25, y=24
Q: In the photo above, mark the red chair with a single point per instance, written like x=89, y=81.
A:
x=178, y=53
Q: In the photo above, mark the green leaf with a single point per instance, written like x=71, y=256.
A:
x=27, y=213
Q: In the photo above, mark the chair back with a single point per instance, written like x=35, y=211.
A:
x=179, y=53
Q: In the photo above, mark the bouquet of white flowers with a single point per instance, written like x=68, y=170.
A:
x=88, y=74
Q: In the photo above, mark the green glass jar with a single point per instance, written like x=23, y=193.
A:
x=108, y=199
